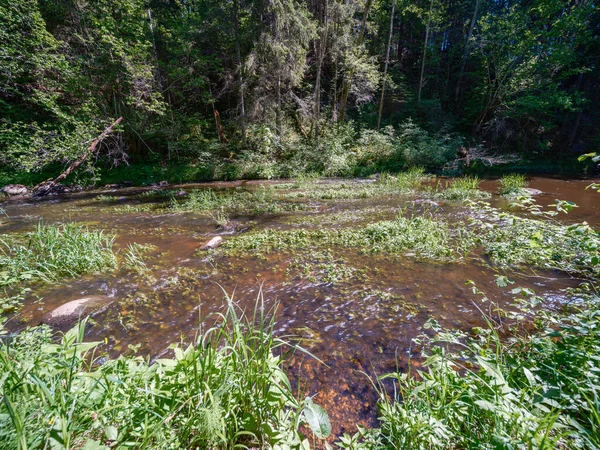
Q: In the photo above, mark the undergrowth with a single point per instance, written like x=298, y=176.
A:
x=498, y=386
x=226, y=390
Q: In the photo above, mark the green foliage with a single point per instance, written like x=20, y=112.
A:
x=421, y=148
x=513, y=185
x=425, y=237
x=534, y=391
x=225, y=390
x=49, y=253
x=463, y=188
x=510, y=240
x=259, y=201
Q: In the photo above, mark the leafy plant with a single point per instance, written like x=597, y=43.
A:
x=513, y=185
x=228, y=389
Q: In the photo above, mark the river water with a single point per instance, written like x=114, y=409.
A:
x=360, y=326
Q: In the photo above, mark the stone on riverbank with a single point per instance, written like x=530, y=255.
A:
x=14, y=189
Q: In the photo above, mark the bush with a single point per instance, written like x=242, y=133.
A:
x=421, y=148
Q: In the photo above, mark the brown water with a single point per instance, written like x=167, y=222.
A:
x=360, y=326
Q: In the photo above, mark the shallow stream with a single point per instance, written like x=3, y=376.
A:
x=355, y=310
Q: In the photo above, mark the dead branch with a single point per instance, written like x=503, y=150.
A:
x=46, y=186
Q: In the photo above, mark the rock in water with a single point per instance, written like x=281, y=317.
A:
x=65, y=316
x=532, y=191
x=212, y=243
x=14, y=189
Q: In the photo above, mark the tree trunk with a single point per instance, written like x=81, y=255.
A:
x=463, y=64
x=154, y=52
x=322, y=44
x=348, y=76
x=236, y=28
x=278, y=109
x=427, y=30
x=387, y=62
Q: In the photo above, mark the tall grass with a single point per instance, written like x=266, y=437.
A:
x=51, y=252
x=225, y=391
x=463, y=188
x=408, y=182
x=513, y=185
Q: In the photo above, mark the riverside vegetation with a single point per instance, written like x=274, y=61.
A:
x=527, y=379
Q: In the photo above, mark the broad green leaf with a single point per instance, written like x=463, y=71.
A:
x=317, y=419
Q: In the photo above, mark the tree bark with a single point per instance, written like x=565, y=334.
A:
x=348, y=77
x=322, y=44
x=427, y=30
x=387, y=62
x=463, y=64
x=236, y=28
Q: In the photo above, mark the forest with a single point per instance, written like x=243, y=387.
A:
x=286, y=224
x=275, y=88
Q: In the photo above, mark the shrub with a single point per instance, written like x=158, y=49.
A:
x=424, y=149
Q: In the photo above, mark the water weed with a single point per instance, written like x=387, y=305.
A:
x=513, y=185
x=511, y=241
x=424, y=237
x=463, y=188
x=239, y=202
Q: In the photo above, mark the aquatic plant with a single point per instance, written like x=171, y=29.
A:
x=260, y=201
x=510, y=240
x=423, y=236
x=513, y=185
x=48, y=253
x=463, y=188
x=227, y=390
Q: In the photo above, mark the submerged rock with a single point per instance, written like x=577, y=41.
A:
x=68, y=314
x=426, y=201
x=14, y=189
x=532, y=191
x=212, y=243
x=233, y=227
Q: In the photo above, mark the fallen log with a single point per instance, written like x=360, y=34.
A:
x=46, y=186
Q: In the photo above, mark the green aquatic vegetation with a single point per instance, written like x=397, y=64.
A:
x=513, y=185
x=463, y=188
x=403, y=183
x=536, y=390
x=137, y=208
x=226, y=390
x=323, y=267
x=511, y=241
x=106, y=198
x=134, y=257
x=49, y=253
x=409, y=182
x=260, y=201
x=423, y=237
